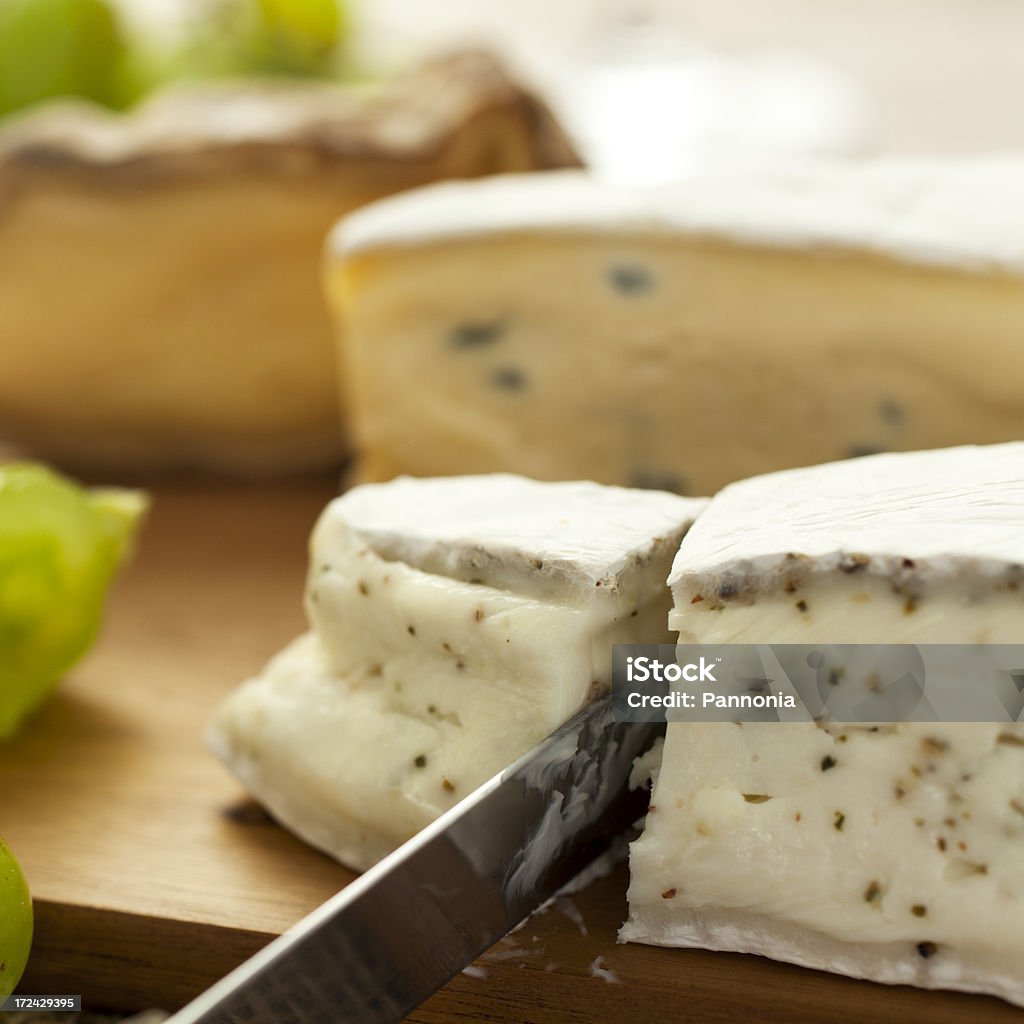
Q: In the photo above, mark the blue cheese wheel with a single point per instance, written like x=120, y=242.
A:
x=683, y=336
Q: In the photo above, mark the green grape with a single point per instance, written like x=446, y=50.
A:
x=268, y=37
x=51, y=48
x=303, y=24
x=296, y=37
x=59, y=547
x=15, y=922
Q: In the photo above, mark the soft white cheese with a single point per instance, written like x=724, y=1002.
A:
x=456, y=622
x=894, y=853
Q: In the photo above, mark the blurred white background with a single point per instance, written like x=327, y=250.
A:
x=687, y=80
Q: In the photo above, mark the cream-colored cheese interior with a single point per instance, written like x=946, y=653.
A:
x=894, y=852
x=676, y=362
x=877, y=840
x=375, y=730
x=146, y=322
x=852, y=610
x=490, y=658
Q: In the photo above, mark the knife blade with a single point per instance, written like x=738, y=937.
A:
x=399, y=932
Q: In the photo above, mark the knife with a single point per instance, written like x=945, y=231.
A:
x=399, y=932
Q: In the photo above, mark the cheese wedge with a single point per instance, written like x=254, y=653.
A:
x=455, y=623
x=683, y=336
x=891, y=852
x=159, y=292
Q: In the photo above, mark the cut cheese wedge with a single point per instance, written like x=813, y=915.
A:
x=683, y=336
x=892, y=852
x=455, y=623
x=159, y=299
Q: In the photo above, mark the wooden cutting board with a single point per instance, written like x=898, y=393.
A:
x=153, y=875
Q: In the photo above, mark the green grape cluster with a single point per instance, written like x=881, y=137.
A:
x=59, y=548
x=15, y=922
x=51, y=48
x=62, y=48
x=299, y=38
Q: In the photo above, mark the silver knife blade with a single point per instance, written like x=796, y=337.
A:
x=399, y=932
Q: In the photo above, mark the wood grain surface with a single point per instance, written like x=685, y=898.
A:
x=153, y=875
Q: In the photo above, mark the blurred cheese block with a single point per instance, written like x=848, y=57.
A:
x=887, y=852
x=683, y=336
x=455, y=623
x=159, y=286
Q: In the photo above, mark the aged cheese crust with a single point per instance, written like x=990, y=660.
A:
x=226, y=125
x=455, y=623
x=160, y=301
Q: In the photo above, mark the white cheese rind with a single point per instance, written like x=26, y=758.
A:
x=417, y=684
x=504, y=530
x=967, y=213
x=918, y=518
